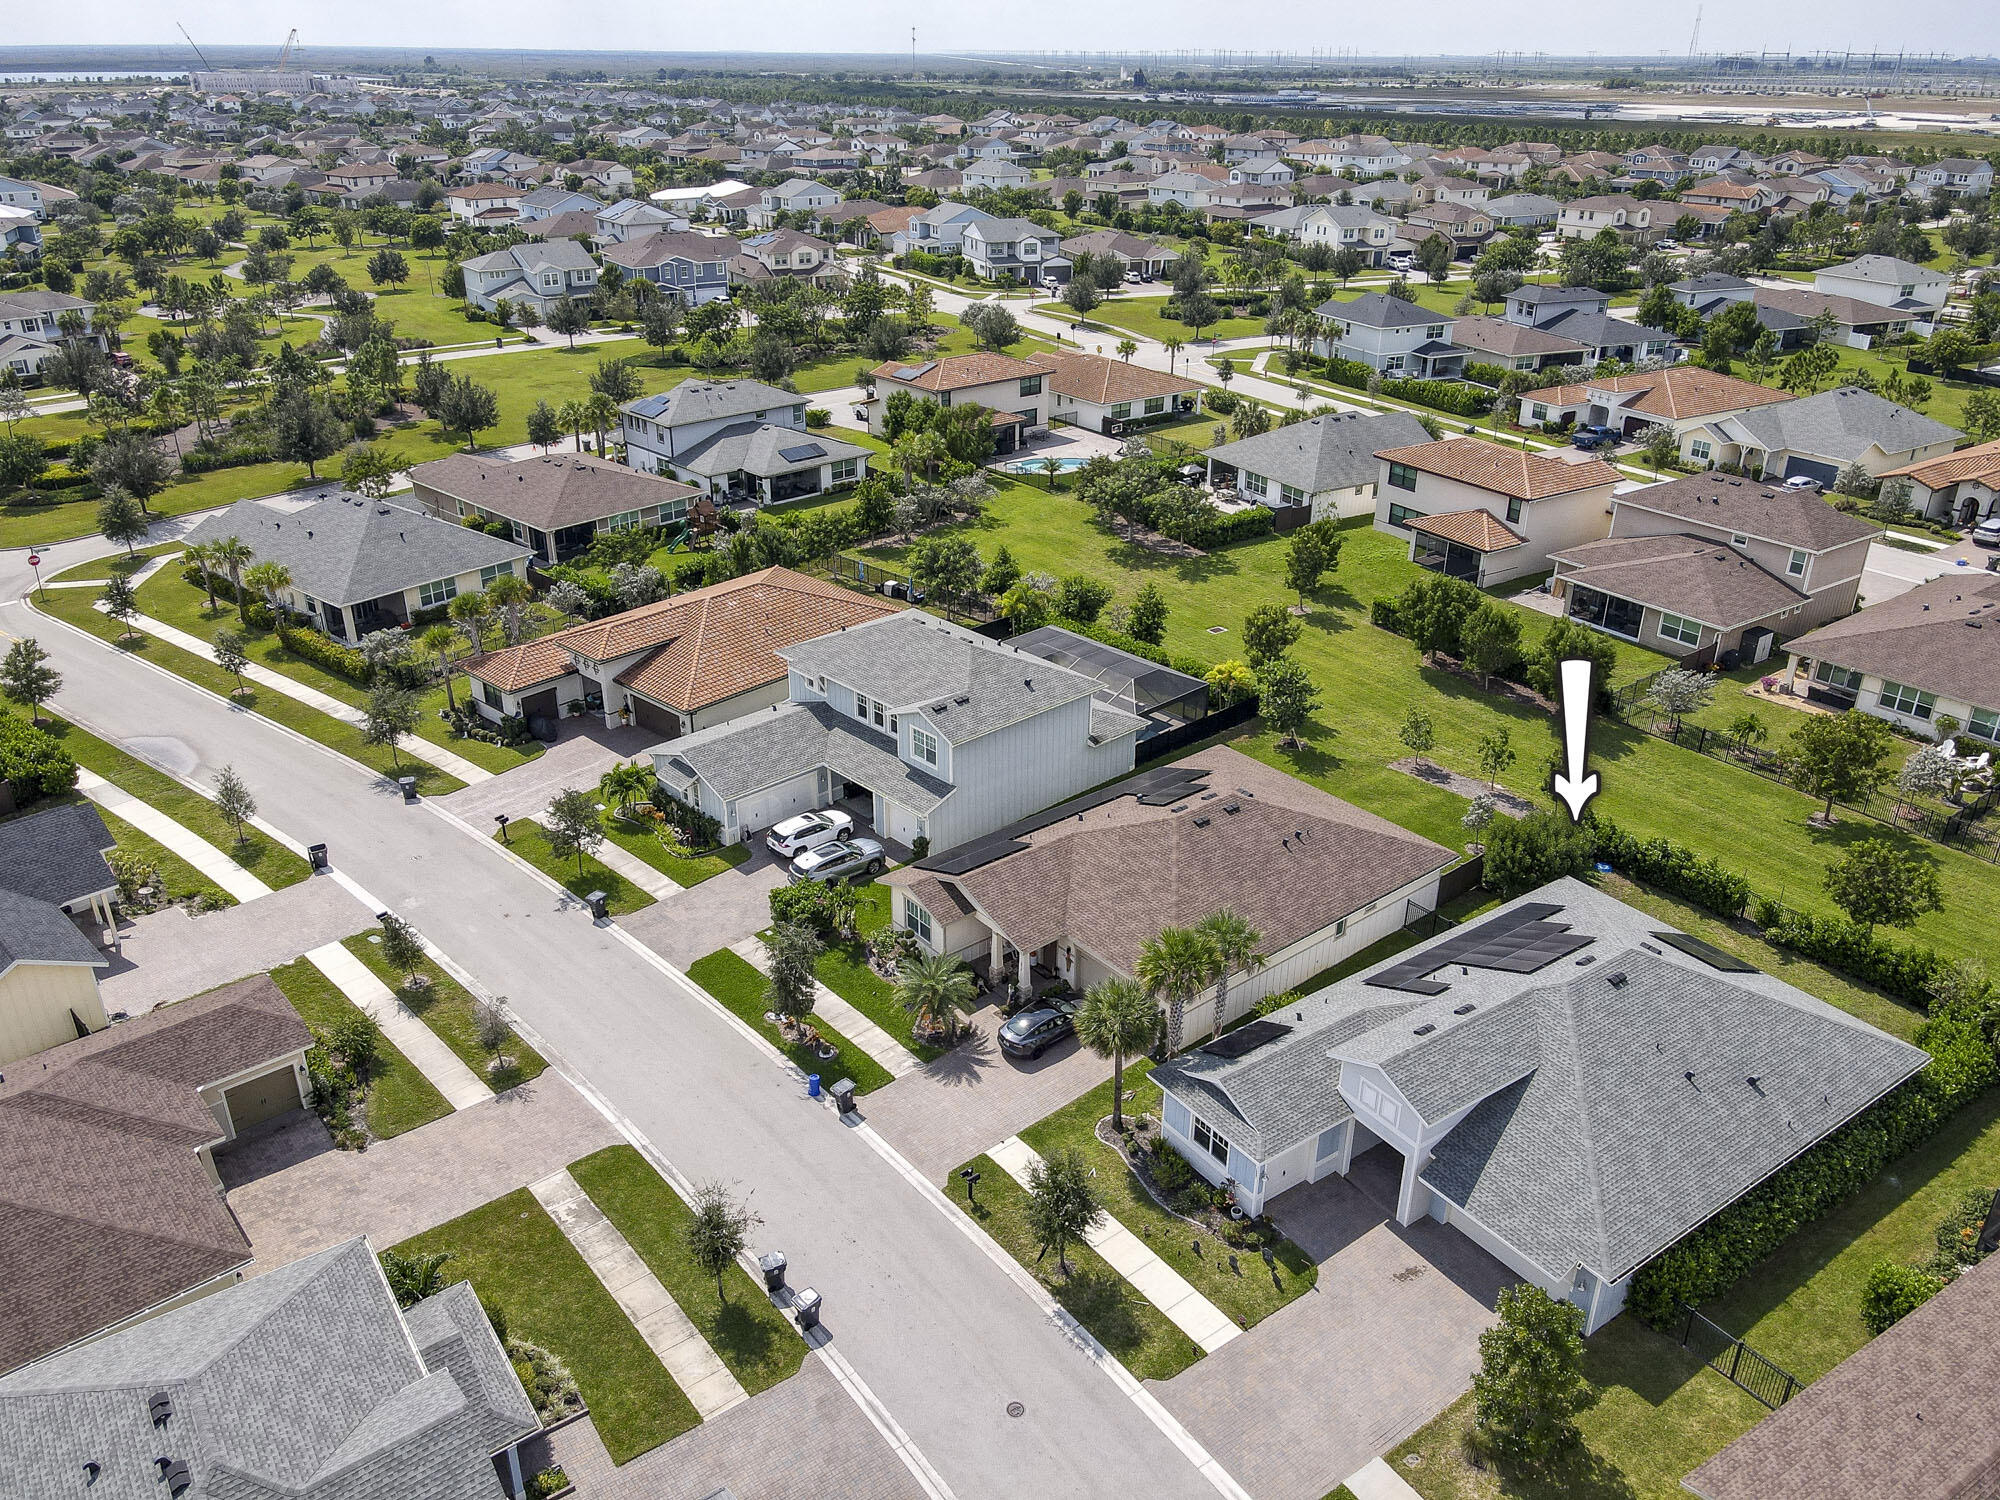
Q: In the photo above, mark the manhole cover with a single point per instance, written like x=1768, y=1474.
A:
x=1016, y=1409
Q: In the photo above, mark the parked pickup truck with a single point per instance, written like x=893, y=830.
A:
x=1589, y=438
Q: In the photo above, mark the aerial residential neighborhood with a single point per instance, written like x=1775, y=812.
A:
x=757, y=758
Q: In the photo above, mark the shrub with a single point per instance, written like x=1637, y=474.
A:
x=1351, y=373
x=1526, y=852
x=697, y=829
x=1440, y=395
x=1382, y=613
x=1171, y=1172
x=1907, y=972
x=327, y=654
x=34, y=761
x=1894, y=1292
x=1675, y=869
x=819, y=907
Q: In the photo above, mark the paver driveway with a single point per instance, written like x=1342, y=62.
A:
x=1386, y=1340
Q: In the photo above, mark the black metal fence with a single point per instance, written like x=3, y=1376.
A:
x=894, y=583
x=1734, y=1360
x=1171, y=741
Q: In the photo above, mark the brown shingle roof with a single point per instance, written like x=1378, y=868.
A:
x=1679, y=392
x=1505, y=471
x=105, y=1206
x=1707, y=581
x=1775, y=513
x=550, y=491
x=957, y=371
x=1480, y=530
x=1093, y=378
x=1924, y=638
x=1981, y=461
x=1914, y=1414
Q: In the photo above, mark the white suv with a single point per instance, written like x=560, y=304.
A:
x=809, y=831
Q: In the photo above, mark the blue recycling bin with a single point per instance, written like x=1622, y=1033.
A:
x=812, y=1085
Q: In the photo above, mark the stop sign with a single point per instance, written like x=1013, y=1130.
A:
x=34, y=559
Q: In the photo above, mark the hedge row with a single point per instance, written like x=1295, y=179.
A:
x=257, y=611
x=1673, y=868
x=1908, y=973
x=1717, y=1255
x=325, y=653
x=1440, y=395
x=33, y=761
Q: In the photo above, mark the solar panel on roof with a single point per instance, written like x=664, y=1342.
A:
x=1247, y=1039
x=1714, y=957
x=1521, y=941
x=911, y=372
x=801, y=452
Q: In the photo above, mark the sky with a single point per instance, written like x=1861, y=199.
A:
x=1474, y=27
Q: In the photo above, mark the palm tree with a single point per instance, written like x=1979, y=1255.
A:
x=1235, y=942
x=470, y=611
x=232, y=554
x=574, y=416
x=917, y=449
x=625, y=784
x=202, y=555
x=1175, y=966
x=1117, y=1020
x=930, y=987
x=1173, y=348
x=511, y=594
x=442, y=643
x=603, y=414
x=270, y=579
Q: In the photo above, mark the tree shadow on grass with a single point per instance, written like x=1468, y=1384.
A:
x=1102, y=1301
x=745, y=1340
x=1326, y=621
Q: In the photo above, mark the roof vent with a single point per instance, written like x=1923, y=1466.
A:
x=1028, y=683
x=1465, y=1009
x=160, y=1407
x=1689, y=1076
x=1425, y=1030
x=1649, y=947
x=178, y=1477
x=1616, y=979
x=1201, y=822
x=1231, y=807
x=1586, y=961
x=91, y=1469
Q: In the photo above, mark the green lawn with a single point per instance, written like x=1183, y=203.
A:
x=179, y=880
x=530, y=840
x=735, y=982
x=399, y=1098
x=516, y=1258
x=750, y=1335
x=126, y=563
x=447, y=1007
x=1249, y=1296
x=74, y=607
x=1147, y=317
x=1369, y=679
x=171, y=599
x=686, y=870
x=843, y=968
x=260, y=854
x=1137, y=1334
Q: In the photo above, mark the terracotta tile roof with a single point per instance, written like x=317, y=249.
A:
x=107, y=1206
x=1680, y=392
x=958, y=371
x=1505, y=471
x=1979, y=462
x=1093, y=378
x=527, y=665
x=1480, y=530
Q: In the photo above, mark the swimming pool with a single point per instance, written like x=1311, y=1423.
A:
x=1040, y=465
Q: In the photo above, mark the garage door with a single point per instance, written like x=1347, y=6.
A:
x=261, y=1098
x=540, y=705
x=1811, y=468
x=761, y=809
x=661, y=721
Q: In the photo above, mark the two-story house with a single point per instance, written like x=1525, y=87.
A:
x=484, y=202
x=995, y=175
x=1017, y=250
x=691, y=267
x=929, y=731
x=940, y=230
x=1581, y=314
x=31, y=328
x=796, y=195
x=1900, y=285
x=1338, y=226
x=1711, y=564
x=1582, y=218
x=1486, y=513
x=1015, y=391
x=547, y=202
x=534, y=274
x=1396, y=338
x=787, y=255
x=632, y=219
x=1465, y=226
x=739, y=441
x=1656, y=164
x=1264, y=171
x=1959, y=176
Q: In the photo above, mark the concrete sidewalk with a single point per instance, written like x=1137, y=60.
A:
x=461, y=1087
x=190, y=846
x=632, y=1284
x=278, y=682
x=1127, y=1254
x=840, y=1015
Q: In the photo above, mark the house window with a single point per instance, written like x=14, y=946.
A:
x=431, y=595
x=1121, y=411
x=1402, y=476
x=1155, y=405
x=1796, y=564
x=625, y=520
x=1837, y=677
x=1435, y=331
x=1206, y=1138
x=846, y=470
x=917, y=920
x=1291, y=494
x=1514, y=504
x=1031, y=385
x=1400, y=516
x=1253, y=484
x=495, y=570
x=1393, y=362
x=1680, y=628
x=492, y=696
x=1898, y=699
x=1538, y=413
x=1983, y=724
x=923, y=746
x=1698, y=450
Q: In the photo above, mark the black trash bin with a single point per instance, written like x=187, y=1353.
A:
x=806, y=1309
x=596, y=901
x=843, y=1096
x=409, y=786
x=316, y=856
x=773, y=1267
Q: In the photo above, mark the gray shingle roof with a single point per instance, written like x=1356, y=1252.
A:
x=536, y=255
x=760, y=448
x=34, y=931
x=1887, y=269
x=1332, y=452
x=349, y=549
x=749, y=754
x=305, y=1382
x=1776, y=513
x=1842, y=425
x=712, y=400
x=917, y=662
x=1379, y=310
x=56, y=855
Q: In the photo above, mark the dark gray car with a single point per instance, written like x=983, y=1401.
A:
x=1032, y=1031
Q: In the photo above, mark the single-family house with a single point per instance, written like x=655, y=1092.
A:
x=1113, y=395
x=1712, y=564
x=930, y=731
x=1582, y=315
x=1074, y=892
x=1569, y=1082
x=795, y=195
x=1819, y=436
x=940, y=230
x=1583, y=218
x=1397, y=338
x=1323, y=468
x=633, y=218
x=31, y=327
x=544, y=202
x=1465, y=226
x=557, y=503
x=1746, y=196
x=1851, y=321
x=111, y=1184
x=1900, y=285
x=1486, y=513
x=1959, y=488
x=1338, y=226
x=308, y=1382
x=360, y=565
x=1015, y=391
x=1956, y=176
x=1532, y=210
x=740, y=442
x=1264, y=171
x=1683, y=397
x=54, y=884
x=680, y=664
x=1924, y=655
x=691, y=267
x=1656, y=164
x=994, y=175
x=485, y=203
x=534, y=274
x=1016, y=250
x=787, y=255
x=1713, y=291
x=1147, y=257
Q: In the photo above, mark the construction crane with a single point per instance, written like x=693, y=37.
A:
x=197, y=51
x=1694, y=40
x=285, y=52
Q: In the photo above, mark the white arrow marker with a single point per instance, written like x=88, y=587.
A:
x=1576, y=788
